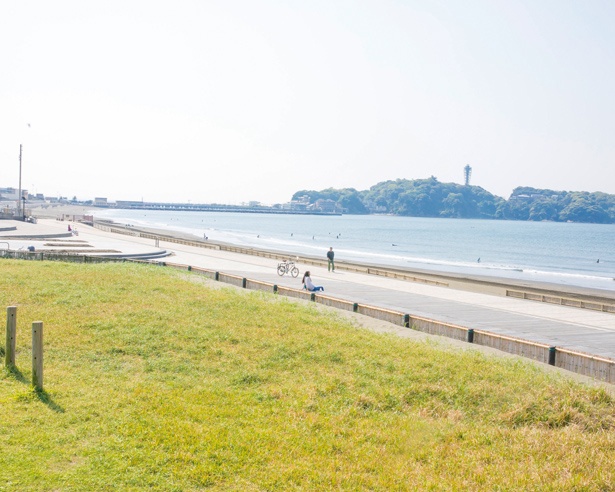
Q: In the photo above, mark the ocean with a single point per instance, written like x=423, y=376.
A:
x=562, y=253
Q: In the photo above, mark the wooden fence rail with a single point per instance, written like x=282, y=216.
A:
x=562, y=301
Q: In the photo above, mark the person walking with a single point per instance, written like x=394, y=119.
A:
x=330, y=263
x=307, y=283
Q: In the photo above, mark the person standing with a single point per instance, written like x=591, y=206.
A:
x=330, y=263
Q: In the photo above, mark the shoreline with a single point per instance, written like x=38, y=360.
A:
x=465, y=282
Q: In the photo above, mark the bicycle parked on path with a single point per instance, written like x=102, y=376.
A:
x=287, y=266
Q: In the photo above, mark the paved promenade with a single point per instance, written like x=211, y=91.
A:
x=573, y=328
x=576, y=329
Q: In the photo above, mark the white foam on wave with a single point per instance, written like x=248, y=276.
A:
x=557, y=275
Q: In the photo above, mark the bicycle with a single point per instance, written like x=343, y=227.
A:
x=287, y=266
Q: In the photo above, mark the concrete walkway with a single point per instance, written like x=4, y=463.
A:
x=567, y=327
x=49, y=235
x=576, y=329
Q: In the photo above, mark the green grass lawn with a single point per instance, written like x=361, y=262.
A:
x=156, y=382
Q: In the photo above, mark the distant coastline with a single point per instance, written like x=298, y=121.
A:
x=402, y=197
x=189, y=207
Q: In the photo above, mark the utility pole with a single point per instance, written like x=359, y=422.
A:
x=19, y=214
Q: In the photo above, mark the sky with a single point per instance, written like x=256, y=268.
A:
x=230, y=101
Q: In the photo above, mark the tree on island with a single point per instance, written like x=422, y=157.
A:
x=431, y=198
x=349, y=199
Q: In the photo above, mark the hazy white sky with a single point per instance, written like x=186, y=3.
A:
x=229, y=101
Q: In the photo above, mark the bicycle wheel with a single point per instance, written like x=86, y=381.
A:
x=294, y=272
x=281, y=270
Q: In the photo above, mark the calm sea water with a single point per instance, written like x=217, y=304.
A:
x=562, y=253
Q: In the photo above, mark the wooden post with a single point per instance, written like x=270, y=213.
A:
x=11, y=328
x=37, y=355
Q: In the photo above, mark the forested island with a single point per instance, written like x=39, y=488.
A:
x=431, y=198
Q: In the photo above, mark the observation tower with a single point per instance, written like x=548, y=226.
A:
x=467, y=173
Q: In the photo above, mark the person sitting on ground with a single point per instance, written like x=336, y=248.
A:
x=307, y=283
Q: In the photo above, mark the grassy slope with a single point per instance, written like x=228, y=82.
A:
x=155, y=382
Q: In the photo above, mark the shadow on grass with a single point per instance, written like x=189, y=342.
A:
x=17, y=374
x=41, y=394
x=47, y=400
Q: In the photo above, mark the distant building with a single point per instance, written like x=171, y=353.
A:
x=12, y=193
x=128, y=204
x=520, y=197
x=328, y=206
x=296, y=205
